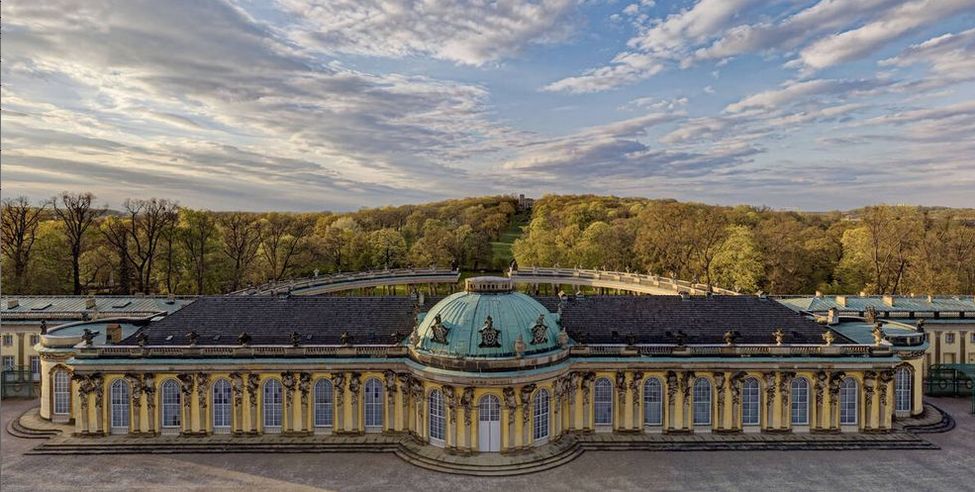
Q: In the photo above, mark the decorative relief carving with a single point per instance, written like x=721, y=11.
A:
x=252, y=384
x=338, y=381
x=526, y=395
x=587, y=380
x=635, y=385
x=202, y=384
x=539, y=331
x=186, y=388
x=467, y=401
x=509, y=402
x=451, y=398
x=237, y=388
x=149, y=387
x=490, y=336
x=288, y=381
x=354, y=385
x=439, y=331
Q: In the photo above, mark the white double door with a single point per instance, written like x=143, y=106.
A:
x=489, y=424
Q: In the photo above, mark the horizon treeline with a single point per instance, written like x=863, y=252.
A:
x=879, y=249
x=68, y=245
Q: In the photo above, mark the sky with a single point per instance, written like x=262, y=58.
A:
x=343, y=104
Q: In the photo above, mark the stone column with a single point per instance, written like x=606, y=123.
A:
x=511, y=406
x=253, y=385
x=526, y=414
x=736, y=382
x=573, y=390
x=467, y=403
x=719, y=388
x=619, y=419
x=304, y=412
x=671, y=417
x=202, y=395
x=885, y=379
x=338, y=382
x=419, y=398
x=84, y=384
x=389, y=423
x=635, y=383
x=821, y=386
x=686, y=397
x=237, y=392
x=186, y=398
x=450, y=400
x=149, y=387
x=587, y=419
x=869, y=388
x=355, y=390
x=770, y=387
x=404, y=383
x=135, y=382
x=288, y=386
x=834, y=393
x=785, y=392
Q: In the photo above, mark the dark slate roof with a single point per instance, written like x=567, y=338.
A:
x=372, y=320
x=704, y=320
x=271, y=320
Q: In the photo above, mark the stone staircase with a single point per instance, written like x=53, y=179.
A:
x=218, y=444
x=933, y=420
x=16, y=429
x=491, y=464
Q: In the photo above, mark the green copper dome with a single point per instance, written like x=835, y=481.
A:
x=486, y=322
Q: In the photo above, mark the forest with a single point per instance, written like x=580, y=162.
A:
x=71, y=245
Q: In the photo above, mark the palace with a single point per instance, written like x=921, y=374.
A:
x=484, y=370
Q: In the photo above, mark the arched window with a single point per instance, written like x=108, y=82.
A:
x=221, y=404
x=702, y=402
x=750, y=402
x=119, y=395
x=62, y=393
x=170, y=404
x=604, y=402
x=652, y=402
x=848, y=402
x=437, y=422
x=800, y=401
x=323, y=403
x=272, y=406
x=374, y=404
x=902, y=390
x=540, y=415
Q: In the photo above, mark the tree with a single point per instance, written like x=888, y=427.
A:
x=19, y=222
x=196, y=235
x=76, y=214
x=388, y=248
x=880, y=249
x=738, y=263
x=281, y=237
x=137, y=235
x=241, y=239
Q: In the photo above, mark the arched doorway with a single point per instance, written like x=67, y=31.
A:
x=489, y=424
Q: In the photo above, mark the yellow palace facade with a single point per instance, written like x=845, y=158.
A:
x=485, y=370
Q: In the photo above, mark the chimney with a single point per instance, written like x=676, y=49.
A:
x=684, y=295
x=863, y=293
x=12, y=303
x=930, y=299
x=90, y=303
x=819, y=294
x=841, y=301
x=888, y=300
x=113, y=332
x=832, y=316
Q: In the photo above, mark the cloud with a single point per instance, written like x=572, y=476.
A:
x=950, y=57
x=171, y=97
x=471, y=33
x=888, y=26
x=825, y=33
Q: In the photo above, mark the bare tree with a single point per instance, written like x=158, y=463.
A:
x=77, y=215
x=241, y=238
x=137, y=235
x=196, y=236
x=19, y=228
x=281, y=234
